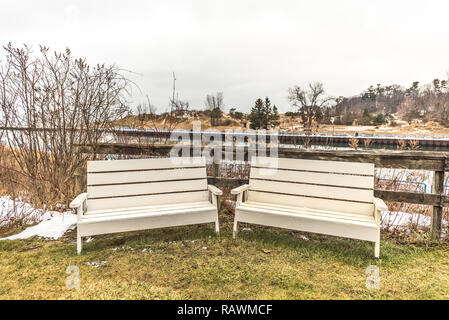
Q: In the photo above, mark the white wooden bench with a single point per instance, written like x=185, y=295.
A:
x=327, y=197
x=129, y=195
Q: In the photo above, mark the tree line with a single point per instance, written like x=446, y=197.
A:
x=376, y=105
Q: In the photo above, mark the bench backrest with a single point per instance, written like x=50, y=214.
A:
x=324, y=185
x=144, y=182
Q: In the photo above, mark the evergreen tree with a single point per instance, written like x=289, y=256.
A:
x=263, y=115
x=366, y=117
x=257, y=115
x=275, y=117
x=379, y=119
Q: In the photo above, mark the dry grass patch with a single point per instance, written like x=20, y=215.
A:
x=193, y=263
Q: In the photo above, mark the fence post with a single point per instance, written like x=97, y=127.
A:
x=79, y=174
x=217, y=174
x=437, y=210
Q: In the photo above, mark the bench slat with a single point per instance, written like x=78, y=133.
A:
x=313, y=203
x=340, y=193
x=145, y=176
x=159, y=208
x=318, y=165
x=150, y=212
x=147, y=200
x=314, y=178
x=143, y=164
x=145, y=188
x=147, y=222
x=308, y=211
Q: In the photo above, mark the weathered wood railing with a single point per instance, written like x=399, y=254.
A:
x=438, y=162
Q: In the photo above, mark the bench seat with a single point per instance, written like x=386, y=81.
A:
x=151, y=217
x=309, y=220
x=151, y=210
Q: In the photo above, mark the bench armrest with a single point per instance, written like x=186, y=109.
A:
x=380, y=205
x=240, y=189
x=214, y=190
x=78, y=201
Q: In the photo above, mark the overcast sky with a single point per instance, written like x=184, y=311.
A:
x=246, y=49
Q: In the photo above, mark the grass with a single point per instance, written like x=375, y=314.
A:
x=180, y=268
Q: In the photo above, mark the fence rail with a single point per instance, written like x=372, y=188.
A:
x=438, y=162
x=378, y=138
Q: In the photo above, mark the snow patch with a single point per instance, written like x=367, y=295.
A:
x=16, y=209
x=96, y=264
x=392, y=220
x=51, y=224
x=53, y=227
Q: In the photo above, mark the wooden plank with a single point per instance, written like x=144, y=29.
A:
x=316, y=165
x=313, y=203
x=217, y=173
x=141, y=201
x=143, y=164
x=340, y=193
x=424, y=160
x=149, y=212
x=307, y=211
x=126, y=149
x=354, y=229
x=145, y=188
x=313, y=178
x=142, y=223
x=437, y=210
x=145, y=176
x=408, y=197
x=159, y=208
x=383, y=159
x=216, y=169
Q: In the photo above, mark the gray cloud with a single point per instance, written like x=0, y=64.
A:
x=247, y=49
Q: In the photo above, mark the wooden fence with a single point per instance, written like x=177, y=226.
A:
x=438, y=162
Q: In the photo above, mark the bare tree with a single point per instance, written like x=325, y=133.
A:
x=57, y=103
x=179, y=107
x=427, y=102
x=310, y=104
x=163, y=124
x=214, y=104
x=170, y=119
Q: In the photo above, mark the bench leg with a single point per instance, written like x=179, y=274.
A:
x=377, y=244
x=217, y=226
x=79, y=244
x=377, y=249
x=234, y=232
